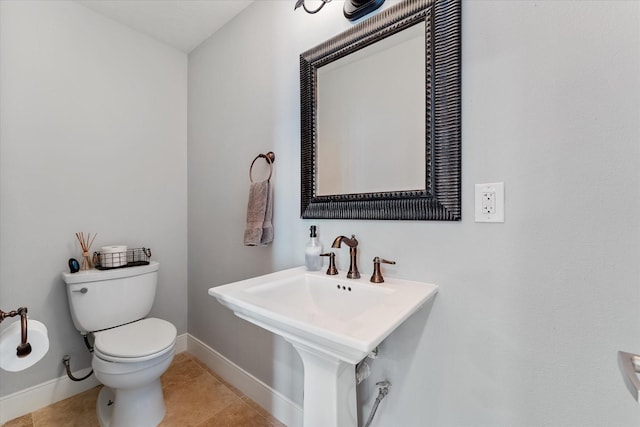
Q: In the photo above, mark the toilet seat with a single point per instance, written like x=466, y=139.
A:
x=135, y=342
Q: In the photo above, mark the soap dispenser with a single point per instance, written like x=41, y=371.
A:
x=312, y=251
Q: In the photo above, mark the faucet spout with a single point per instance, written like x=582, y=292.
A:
x=353, y=252
x=351, y=242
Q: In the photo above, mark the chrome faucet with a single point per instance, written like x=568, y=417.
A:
x=353, y=252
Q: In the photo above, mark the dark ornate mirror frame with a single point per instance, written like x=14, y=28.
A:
x=440, y=199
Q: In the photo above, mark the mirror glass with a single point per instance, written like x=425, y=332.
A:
x=380, y=117
x=370, y=118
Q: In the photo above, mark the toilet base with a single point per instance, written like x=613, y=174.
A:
x=143, y=407
x=104, y=406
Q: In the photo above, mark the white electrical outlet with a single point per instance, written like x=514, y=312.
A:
x=488, y=202
x=489, y=206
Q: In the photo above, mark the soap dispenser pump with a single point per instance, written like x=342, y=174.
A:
x=312, y=251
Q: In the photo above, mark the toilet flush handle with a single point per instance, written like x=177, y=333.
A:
x=82, y=291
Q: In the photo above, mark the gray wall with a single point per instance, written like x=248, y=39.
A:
x=531, y=312
x=92, y=138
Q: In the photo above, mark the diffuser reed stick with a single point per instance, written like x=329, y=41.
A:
x=85, y=244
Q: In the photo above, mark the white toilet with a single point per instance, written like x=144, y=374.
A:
x=130, y=352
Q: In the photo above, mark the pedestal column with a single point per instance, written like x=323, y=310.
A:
x=329, y=390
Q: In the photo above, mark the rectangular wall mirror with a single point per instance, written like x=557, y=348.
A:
x=380, y=117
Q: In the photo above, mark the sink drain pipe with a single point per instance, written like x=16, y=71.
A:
x=66, y=361
x=383, y=390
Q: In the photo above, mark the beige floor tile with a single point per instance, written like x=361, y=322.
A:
x=195, y=399
x=237, y=414
x=194, y=395
x=263, y=412
x=23, y=421
x=181, y=357
x=218, y=377
x=180, y=372
x=76, y=411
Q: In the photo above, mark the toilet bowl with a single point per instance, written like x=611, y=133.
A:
x=129, y=361
x=130, y=351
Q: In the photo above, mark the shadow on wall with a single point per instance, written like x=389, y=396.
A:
x=396, y=354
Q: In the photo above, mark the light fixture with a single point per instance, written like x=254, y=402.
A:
x=304, y=6
x=356, y=9
x=353, y=9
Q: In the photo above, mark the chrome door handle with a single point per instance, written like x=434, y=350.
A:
x=82, y=291
x=630, y=366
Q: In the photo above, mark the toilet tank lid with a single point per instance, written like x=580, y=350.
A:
x=95, y=275
x=137, y=339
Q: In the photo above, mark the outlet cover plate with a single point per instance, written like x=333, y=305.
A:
x=489, y=203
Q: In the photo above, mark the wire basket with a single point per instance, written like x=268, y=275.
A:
x=130, y=258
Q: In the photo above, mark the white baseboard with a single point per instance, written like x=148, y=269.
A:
x=181, y=343
x=33, y=398
x=272, y=401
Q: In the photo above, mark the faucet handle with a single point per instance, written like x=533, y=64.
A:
x=332, y=270
x=376, y=277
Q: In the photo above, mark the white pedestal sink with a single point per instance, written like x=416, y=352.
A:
x=332, y=322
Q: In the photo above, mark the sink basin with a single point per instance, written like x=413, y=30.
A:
x=345, y=317
x=333, y=322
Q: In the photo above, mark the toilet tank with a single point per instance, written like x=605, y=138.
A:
x=101, y=299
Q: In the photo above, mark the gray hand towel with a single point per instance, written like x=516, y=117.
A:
x=256, y=208
x=267, y=225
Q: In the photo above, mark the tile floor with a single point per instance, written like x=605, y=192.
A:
x=195, y=397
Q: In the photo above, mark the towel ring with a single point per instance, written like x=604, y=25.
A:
x=270, y=158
